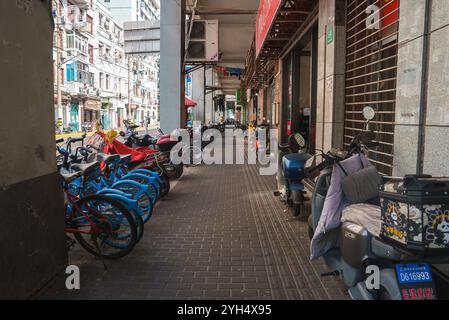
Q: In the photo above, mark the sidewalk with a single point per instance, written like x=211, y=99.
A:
x=222, y=234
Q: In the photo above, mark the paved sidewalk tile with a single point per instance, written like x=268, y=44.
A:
x=222, y=234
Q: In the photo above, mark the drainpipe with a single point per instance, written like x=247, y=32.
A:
x=424, y=89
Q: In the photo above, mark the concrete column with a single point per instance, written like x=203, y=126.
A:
x=198, y=77
x=436, y=151
x=331, y=74
x=209, y=101
x=408, y=94
x=32, y=235
x=172, y=86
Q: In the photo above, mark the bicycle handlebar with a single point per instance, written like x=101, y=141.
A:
x=77, y=139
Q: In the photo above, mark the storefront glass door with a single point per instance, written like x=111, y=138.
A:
x=74, y=117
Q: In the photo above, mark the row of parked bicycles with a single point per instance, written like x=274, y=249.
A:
x=110, y=191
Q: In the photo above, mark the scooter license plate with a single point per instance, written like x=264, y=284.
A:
x=415, y=281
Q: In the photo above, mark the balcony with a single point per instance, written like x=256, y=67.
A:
x=83, y=4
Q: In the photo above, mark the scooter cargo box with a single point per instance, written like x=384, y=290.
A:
x=293, y=165
x=415, y=213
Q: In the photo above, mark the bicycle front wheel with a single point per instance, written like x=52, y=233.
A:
x=104, y=227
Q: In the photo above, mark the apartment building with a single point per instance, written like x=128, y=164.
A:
x=92, y=71
x=145, y=75
x=133, y=10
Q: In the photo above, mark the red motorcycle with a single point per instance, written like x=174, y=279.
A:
x=162, y=143
x=141, y=158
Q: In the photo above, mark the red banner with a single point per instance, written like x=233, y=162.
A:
x=267, y=11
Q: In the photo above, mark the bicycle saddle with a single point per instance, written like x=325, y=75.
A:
x=69, y=177
x=108, y=158
x=86, y=169
x=126, y=159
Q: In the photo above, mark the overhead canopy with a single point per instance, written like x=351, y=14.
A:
x=236, y=20
x=279, y=22
x=189, y=102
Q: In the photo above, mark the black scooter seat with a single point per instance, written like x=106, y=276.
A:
x=126, y=159
x=108, y=158
x=69, y=177
x=86, y=169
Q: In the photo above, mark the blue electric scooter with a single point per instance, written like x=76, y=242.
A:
x=291, y=175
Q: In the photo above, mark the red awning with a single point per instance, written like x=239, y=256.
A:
x=189, y=102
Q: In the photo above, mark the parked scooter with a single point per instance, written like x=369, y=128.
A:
x=163, y=143
x=404, y=269
x=293, y=162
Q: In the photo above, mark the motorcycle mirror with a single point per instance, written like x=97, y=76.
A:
x=300, y=140
x=369, y=113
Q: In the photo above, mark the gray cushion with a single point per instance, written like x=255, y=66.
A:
x=362, y=186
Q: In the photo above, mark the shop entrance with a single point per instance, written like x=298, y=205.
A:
x=299, y=89
x=74, y=117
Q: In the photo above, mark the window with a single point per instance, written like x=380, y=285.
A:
x=79, y=72
x=106, y=24
x=76, y=42
x=101, y=49
x=89, y=24
x=91, y=54
x=114, y=83
x=108, y=78
x=101, y=80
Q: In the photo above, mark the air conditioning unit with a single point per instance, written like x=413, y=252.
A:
x=93, y=91
x=203, y=44
x=80, y=26
x=63, y=55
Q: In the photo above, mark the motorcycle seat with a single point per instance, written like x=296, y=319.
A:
x=365, y=215
x=108, y=158
x=86, y=169
x=69, y=177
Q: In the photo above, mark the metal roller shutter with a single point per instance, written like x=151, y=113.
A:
x=371, y=69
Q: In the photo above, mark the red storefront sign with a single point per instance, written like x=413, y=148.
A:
x=390, y=12
x=265, y=15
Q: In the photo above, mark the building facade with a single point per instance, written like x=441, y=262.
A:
x=145, y=69
x=316, y=65
x=92, y=72
x=133, y=10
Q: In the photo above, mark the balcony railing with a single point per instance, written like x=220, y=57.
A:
x=81, y=3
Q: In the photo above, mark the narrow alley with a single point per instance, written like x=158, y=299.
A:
x=222, y=234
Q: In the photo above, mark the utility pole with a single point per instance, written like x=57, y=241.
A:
x=58, y=72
